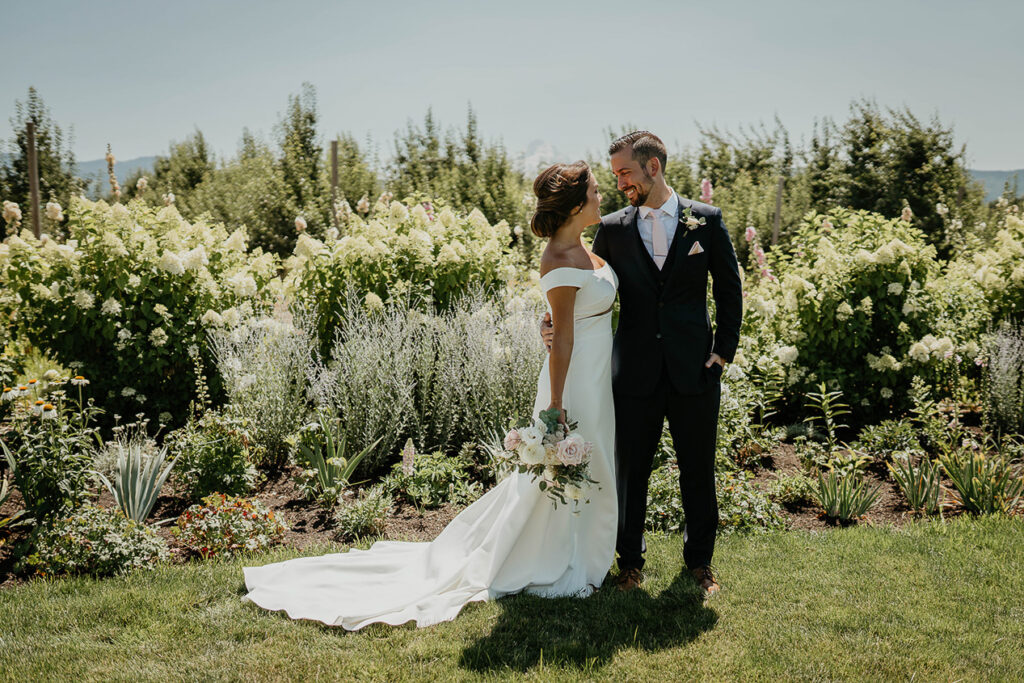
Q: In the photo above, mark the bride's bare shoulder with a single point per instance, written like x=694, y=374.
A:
x=552, y=259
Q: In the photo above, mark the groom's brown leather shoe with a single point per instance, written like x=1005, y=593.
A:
x=628, y=579
x=706, y=580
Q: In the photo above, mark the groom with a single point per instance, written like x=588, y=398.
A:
x=666, y=363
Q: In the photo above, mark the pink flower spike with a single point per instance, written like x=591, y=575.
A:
x=759, y=253
x=750, y=233
x=706, y=191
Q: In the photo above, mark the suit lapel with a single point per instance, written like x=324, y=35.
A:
x=682, y=240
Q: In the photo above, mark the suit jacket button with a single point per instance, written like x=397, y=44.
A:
x=658, y=336
x=661, y=304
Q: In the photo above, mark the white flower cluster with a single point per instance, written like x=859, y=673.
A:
x=931, y=347
x=787, y=354
x=884, y=363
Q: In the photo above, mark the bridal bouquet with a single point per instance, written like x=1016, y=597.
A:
x=558, y=458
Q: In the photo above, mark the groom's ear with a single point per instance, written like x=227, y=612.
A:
x=654, y=167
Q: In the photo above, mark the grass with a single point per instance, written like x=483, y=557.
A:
x=934, y=600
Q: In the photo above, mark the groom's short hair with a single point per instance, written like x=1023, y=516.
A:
x=646, y=146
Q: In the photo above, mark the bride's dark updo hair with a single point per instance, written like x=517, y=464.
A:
x=560, y=189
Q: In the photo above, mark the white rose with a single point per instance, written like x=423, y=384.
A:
x=532, y=454
x=531, y=436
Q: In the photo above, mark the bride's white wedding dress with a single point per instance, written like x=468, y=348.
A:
x=510, y=540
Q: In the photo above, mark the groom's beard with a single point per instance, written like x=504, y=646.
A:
x=641, y=194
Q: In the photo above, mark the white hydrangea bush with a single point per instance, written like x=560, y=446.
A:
x=849, y=304
x=129, y=297
x=399, y=253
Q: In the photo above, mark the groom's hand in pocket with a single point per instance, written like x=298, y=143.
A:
x=547, y=331
x=715, y=358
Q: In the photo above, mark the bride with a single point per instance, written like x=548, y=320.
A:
x=512, y=539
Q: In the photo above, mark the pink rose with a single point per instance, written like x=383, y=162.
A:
x=572, y=450
x=512, y=440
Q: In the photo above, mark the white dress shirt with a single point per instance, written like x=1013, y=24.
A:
x=667, y=213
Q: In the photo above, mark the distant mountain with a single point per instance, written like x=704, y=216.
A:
x=995, y=181
x=538, y=154
x=88, y=170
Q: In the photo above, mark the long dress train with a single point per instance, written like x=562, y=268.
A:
x=510, y=540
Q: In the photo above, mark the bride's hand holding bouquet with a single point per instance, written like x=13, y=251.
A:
x=555, y=454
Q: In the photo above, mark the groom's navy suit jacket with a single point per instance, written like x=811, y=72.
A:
x=663, y=320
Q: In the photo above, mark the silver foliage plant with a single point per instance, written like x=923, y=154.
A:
x=264, y=363
x=368, y=380
x=476, y=368
x=442, y=378
x=1004, y=379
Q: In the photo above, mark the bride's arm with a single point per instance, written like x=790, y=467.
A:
x=563, y=301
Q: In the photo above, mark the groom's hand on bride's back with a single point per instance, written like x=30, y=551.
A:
x=547, y=331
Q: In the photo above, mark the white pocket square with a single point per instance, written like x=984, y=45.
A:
x=696, y=249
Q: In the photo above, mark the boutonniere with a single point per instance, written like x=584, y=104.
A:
x=692, y=222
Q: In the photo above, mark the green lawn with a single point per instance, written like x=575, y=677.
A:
x=933, y=601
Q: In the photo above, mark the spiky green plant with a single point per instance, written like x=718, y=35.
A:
x=138, y=480
x=5, y=490
x=983, y=483
x=919, y=481
x=332, y=471
x=845, y=496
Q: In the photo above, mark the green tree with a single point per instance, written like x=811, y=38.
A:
x=56, y=161
x=302, y=160
x=250, y=191
x=356, y=175
x=890, y=159
x=461, y=168
x=187, y=165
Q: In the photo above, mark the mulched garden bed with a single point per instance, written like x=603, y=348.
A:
x=309, y=524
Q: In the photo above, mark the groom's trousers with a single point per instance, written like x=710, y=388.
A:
x=693, y=424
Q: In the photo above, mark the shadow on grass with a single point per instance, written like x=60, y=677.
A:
x=587, y=633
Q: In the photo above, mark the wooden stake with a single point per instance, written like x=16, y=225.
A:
x=33, y=178
x=334, y=183
x=778, y=212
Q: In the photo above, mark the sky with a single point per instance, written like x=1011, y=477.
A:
x=141, y=74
